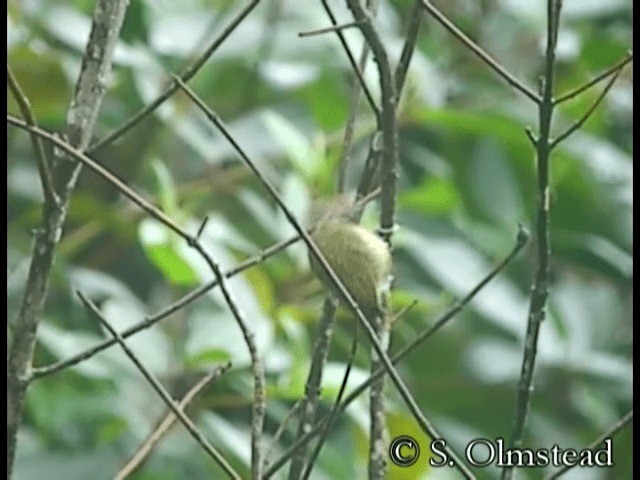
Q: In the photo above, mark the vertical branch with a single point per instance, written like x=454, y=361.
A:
x=540, y=288
x=415, y=21
x=378, y=438
x=81, y=116
x=387, y=121
x=388, y=176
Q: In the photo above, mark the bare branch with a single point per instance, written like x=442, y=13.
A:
x=349, y=128
x=256, y=363
x=333, y=28
x=314, y=380
x=619, y=425
x=483, y=55
x=280, y=430
x=352, y=60
x=415, y=20
x=577, y=91
x=326, y=427
x=160, y=390
x=167, y=422
x=540, y=289
x=186, y=75
x=587, y=114
x=41, y=157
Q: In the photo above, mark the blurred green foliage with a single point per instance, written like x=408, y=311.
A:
x=467, y=178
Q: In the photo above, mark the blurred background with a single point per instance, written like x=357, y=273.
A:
x=467, y=178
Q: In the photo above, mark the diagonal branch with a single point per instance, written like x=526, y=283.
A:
x=256, y=363
x=415, y=21
x=352, y=60
x=164, y=395
x=609, y=71
x=143, y=452
x=172, y=308
x=579, y=123
x=619, y=425
x=38, y=148
x=188, y=73
x=482, y=54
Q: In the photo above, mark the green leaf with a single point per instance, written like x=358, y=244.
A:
x=159, y=244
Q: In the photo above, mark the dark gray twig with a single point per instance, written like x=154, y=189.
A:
x=326, y=427
x=540, y=289
x=475, y=48
x=314, y=380
x=619, y=425
x=333, y=28
x=352, y=60
x=90, y=89
x=415, y=21
x=256, y=363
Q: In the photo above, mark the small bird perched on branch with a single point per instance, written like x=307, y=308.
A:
x=361, y=259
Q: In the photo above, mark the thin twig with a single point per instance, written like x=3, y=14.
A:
x=577, y=91
x=415, y=20
x=326, y=428
x=352, y=60
x=482, y=54
x=619, y=425
x=257, y=368
x=402, y=312
x=160, y=390
x=41, y=156
x=335, y=280
x=165, y=312
x=576, y=125
x=280, y=430
x=521, y=241
x=540, y=289
x=186, y=75
x=332, y=28
x=349, y=129
x=531, y=137
x=312, y=386
x=105, y=173
x=143, y=452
